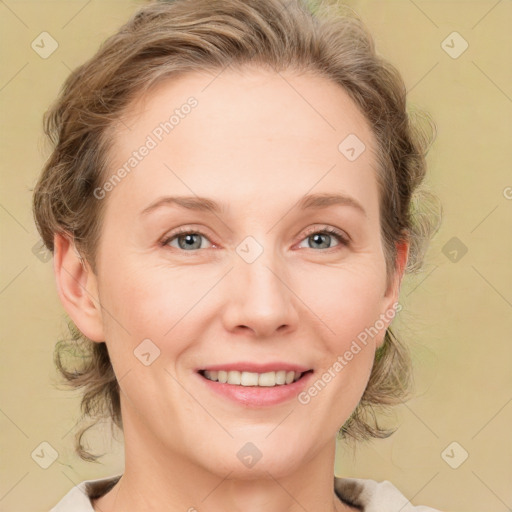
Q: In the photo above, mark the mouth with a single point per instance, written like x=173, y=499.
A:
x=253, y=379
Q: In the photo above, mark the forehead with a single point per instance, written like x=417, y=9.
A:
x=250, y=130
x=255, y=98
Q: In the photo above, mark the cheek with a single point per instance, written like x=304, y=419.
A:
x=346, y=300
x=349, y=307
x=155, y=300
x=348, y=341
x=152, y=304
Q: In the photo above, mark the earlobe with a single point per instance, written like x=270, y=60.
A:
x=402, y=255
x=77, y=288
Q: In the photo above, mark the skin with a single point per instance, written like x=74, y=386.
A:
x=257, y=146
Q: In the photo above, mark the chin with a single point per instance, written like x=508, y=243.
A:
x=247, y=459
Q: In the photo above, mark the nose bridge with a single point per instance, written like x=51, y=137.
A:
x=261, y=299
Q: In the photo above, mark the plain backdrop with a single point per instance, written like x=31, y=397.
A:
x=453, y=449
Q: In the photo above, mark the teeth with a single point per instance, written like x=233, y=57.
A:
x=234, y=378
x=268, y=379
x=249, y=379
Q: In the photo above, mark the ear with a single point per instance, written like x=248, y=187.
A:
x=392, y=294
x=77, y=288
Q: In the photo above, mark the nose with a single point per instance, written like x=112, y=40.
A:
x=260, y=298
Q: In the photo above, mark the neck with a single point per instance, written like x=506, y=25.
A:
x=159, y=478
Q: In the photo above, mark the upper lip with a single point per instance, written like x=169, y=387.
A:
x=256, y=368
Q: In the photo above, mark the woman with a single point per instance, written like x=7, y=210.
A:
x=229, y=205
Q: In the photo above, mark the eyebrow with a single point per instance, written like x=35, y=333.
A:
x=196, y=203
x=319, y=201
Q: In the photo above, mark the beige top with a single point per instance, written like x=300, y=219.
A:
x=366, y=495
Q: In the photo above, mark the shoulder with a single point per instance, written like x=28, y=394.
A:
x=78, y=499
x=373, y=496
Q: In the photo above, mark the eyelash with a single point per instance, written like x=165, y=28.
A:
x=339, y=235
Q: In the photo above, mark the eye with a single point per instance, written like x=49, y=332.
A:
x=190, y=239
x=322, y=238
x=187, y=239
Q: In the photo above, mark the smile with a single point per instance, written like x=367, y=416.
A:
x=267, y=379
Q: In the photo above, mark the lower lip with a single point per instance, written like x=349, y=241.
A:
x=255, y=396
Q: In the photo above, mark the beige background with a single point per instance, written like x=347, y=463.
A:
x=457, y=315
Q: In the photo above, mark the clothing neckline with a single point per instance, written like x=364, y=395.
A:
x=97, y=488
x=346, y=489
x=364, y=495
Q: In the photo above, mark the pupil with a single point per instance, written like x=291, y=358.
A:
x=189, y=240
x=318, y=238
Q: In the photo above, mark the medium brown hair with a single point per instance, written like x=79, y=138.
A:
x=168, y=38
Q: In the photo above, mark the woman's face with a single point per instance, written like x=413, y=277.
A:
x=257, y=284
